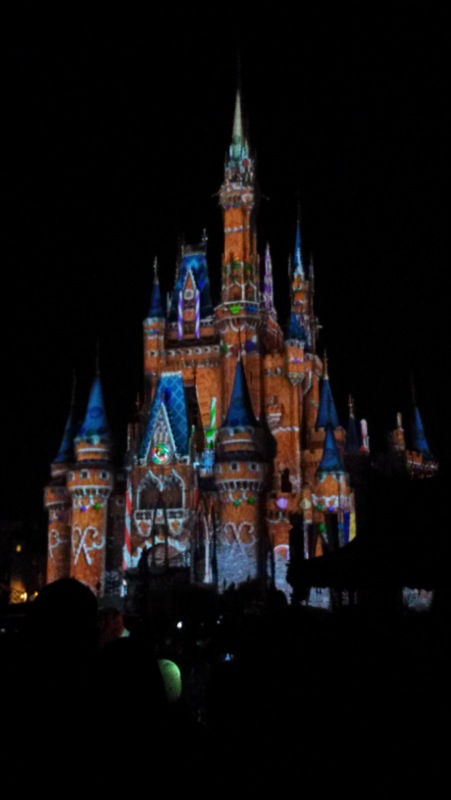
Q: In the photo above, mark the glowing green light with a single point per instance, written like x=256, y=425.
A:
x=160, y=453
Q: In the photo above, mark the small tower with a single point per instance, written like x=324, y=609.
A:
x=300, y=324
x=154, y=330
x=356, y=460
x=58, y=504
x=241, y=469
x=420, y=461
x=90, y=484
x=396, y=438
x=332, y=496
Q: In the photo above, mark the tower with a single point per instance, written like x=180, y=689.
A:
x=237, y=316
x=241, y=472
x=90, y=483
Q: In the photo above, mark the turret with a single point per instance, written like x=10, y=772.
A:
x=300, y=322
x=90, y=483
x=332, y=496
x=268, y=290
x=420, y=461
x=242, y=457
x=396, y=438
x=154, y=331
x=352, y=437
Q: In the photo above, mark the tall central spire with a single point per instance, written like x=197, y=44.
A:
x=240, y=281
x=238, y=140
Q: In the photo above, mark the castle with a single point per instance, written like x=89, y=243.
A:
x=236, y=436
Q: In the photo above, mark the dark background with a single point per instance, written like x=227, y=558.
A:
x=116, y=132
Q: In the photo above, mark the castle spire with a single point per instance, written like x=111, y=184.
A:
x=311, y=271
x=237, y=198
x=268, y=290
x=95, y=425
x=156, y=305
x=240, y=411
x=237, y=132
x=352, y=438
x=418, y=435
x=419, y=441
x=327, y=413
x=298, y=268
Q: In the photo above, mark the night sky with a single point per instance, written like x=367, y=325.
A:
x=115, y=142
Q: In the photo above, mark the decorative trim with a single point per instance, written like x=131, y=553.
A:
x=82, y=546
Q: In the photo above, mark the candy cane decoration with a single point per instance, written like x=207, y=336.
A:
x=197, y=316
x=210, y=433
x=180, y=317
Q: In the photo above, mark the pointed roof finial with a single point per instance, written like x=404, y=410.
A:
x=298, y=268
x=325, y=366
x=156, y=305
x=311, y=267
x=352, y=437
x=237, y=133
x=268, y=290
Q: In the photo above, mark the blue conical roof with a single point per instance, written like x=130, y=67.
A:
x=418, y=435
x=66, y=451
x=331, y=459
x=327, y=413
x=297, y=260
x=95, y=422
x=240, y=411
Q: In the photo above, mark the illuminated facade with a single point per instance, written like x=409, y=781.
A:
x=237, y=431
